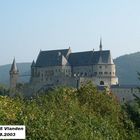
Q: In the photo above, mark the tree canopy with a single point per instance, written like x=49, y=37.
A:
x=67, y=113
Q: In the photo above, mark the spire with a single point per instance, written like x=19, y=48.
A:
x=69, y=49
x=110, y=59
x=100, y=46
x=100, y=60
x=33, y=64
x=14, y=73
x=14, y=66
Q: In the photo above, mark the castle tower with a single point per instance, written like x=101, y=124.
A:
x=14, y=73
x=106, y=68
x=32, y=71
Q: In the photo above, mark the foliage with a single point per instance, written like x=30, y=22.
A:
x=66, y=113
x=3, y=90
x=133, y=110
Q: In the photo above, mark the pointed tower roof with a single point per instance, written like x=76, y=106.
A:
x=100, y=60
x=33, y=64
x=100, y=46
x=64, y=61
x=14, y=66
x=110, y=59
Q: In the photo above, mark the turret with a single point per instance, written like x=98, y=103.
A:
x=33, y=68
x=110, y=59
x=100, y=49
x=33, y=64
x=14, y=73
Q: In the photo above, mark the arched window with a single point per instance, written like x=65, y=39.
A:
x=85, y=74
x=101, y=82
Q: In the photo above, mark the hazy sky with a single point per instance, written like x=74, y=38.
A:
x=26, y=26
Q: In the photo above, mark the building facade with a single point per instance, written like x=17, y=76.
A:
x=62, y=67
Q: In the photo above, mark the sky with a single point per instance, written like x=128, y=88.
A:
x=28, y=26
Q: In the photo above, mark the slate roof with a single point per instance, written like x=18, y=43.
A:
x=88, y=58
x=80, y=58
x=54, y=58
x=33, y=64
x=51, y=58
x=14, y=66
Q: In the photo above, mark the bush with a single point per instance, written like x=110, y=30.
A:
x=66, y=113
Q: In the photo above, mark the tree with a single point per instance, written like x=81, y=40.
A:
x=67, y=113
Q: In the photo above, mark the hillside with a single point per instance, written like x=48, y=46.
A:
x=24, y=69
x=127, y=67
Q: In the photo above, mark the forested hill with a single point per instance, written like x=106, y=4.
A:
x=24, y=69
x=127, y=67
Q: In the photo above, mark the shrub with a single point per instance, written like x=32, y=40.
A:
x=67, y=113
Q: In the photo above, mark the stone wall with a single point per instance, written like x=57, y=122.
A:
x=125, y=94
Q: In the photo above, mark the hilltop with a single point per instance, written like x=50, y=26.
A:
x=127, y=67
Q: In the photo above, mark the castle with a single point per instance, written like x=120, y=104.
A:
x=62, y=67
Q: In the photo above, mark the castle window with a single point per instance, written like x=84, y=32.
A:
x=105, y=72
x=110, y=73
x=101, y=82
x=100, y=67
x=95, y=73
x=85, y=74
x=100, y=73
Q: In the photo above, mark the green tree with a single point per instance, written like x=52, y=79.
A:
x=67, y=113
